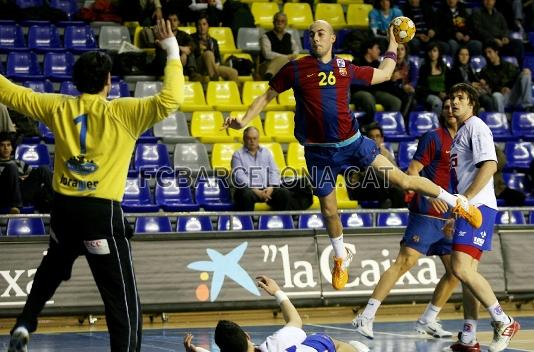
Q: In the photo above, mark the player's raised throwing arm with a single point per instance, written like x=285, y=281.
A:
x=387, y=66
x=254, y=109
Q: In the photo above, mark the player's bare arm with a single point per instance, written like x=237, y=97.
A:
x=485, y=171
x=387, y=66
x=254, y=109
x=291, y=316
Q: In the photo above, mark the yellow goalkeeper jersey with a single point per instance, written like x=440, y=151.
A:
x=95, y=138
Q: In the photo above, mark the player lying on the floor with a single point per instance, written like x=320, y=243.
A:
x=291, y=338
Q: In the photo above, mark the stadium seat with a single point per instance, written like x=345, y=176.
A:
x=392, y=124
x=137, y=198
x=147, y=88
x=191, y=156
x=263, y=13
x=111, y=37
x=68, y=88
x=25, y=227
x=152, y=224
x=118, y=90
x=173, y=129
x=286, y=99
x=33, y=154
x=44, y=39
x=193, y=224
x=478, y=63
x=40, y=86
x=69, y=7
x=333, y=13
x=498, y=124
x=244, y=56
x=295, y=158
x=517, y=181
x=2, y=70
x=23, y=4
x=311, y=221
x=58, y=66
x=511, y=59
x=237, y=135
x=139, y=42
x=277, y=152
x=189, y=29
x=248, y=39
x=224, y=96
x=213, y=194
x=299, y=15
x=519, y=154
x=11, y=38
x=280, y=125
x=295, y=34
x=358, y=15
x=392, y=219
x=221, y=155
x=348, y=2
x=405, y=154
x=514, y=217
x=194, y=99
x=46, y=133
x=23, y=66
x=355, y=220
x=523, y=124
x=421, y=122
x=528, y=61
x=275, y=222
x=147, y=137
x=342, y=195
x=224, y=38
x=253, y=89
x=173, y=195
x=206, y=127
x=447, y=60
x=239, y=223
x=341, y=35
x=151, y=157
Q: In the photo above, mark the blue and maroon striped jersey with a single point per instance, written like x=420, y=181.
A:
x=322, y=94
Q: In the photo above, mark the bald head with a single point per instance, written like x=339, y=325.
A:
x=322, y=38
x=322, y=24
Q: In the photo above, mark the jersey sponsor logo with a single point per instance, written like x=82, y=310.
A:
x=340, y=63
x=80, y=165
x=99, y=247
x=478, y=241
x=79, y=185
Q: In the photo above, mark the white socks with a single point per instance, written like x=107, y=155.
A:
x=469, y=332
x=371, y=308
x=339, y=247
x=497, y=314
x=430, y=314
x=447, y=197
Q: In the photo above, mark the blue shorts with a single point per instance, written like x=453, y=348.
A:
x=480, y=238
x=425, y=235
x=325, y=163
x=321, y=342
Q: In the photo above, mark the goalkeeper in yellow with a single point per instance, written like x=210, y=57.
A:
x=95, y=139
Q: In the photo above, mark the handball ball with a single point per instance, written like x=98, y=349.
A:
x=403, y=29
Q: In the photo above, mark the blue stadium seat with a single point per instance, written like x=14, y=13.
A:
x=528, y=61
x=341, y=35
x=447, y=59
x=118, y=90
x=523, y=124
x=514, y=217
x=517, y=181
x=70, y=7
x=33, y=154
x=79, y=39
x=421, y=122
x=45, y=132
x=147, y=137
x=44, y=39
x=137, y=197
x=311, y=221
x=2, y=70
x=498, y=124
x=275, y=222
x=405, y=154
x=68, y=88
x=355, y=220
x=11, y=38
x=151, y=156
x=213, y=194
x=23, y=66
x=152, y=224
x=478, y=62
x=58, y=66
x=392, y=124
x=392, y=219
x=519, y=154
x=511, y=59
x=193, y=224
x=173, y=195
x=40, y=86
x=22, y=4
x=531, y=217
x=239, y=223
x=25, y=227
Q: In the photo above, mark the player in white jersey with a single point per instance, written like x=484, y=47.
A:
x=473, y=163
x=230, y=337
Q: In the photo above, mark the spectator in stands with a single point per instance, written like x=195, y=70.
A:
x=490, y=25
x=20, y=183
x=423, y=17
x=431, y=86
x=365, y=186
x=511, y=197
x=180, y=7
x=146, y=12
x=256, y=176
x=455, y=28
x=365, y=97
x=212, y=8
x=404, y=79
x=462, y=72
x=207, y=53
x=6, y=125
x=379, y=19
x=509, y=85
x=278, y=47
x=512, y=11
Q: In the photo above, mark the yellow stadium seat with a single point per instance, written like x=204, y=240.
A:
x=263, y=13
x=242, y=56
x=342, y=195
x=295, y=158
x=137, y=41
x=333, y=13
x=206, y=127
x=299, y=15
x=253, y=89
x=225, y=39
x=278, y=154
x=221, y=155
x=348, y=57
x=188, y=30
x=224, y=96
x=358, y=15
x=286, y=100
x=194, y=98
x=237, y=135
x=261, y=207
x=348, y=2
x=280, y=125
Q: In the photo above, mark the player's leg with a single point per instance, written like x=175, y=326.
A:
x=467, y=340
x=351, y=346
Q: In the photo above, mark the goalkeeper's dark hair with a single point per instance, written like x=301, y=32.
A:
x=91, y=72
x=230, y=337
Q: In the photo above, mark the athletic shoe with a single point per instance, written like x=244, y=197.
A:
x=469, y=212
x=359, y=346
x=460, y=346
x=502, y=334
x=340, y=272
x=432, y=328
x=364, y=326
x=19, y=340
